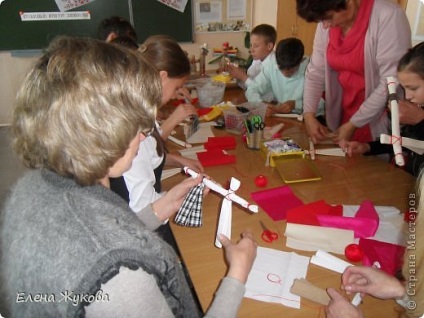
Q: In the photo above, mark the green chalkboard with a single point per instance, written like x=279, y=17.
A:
x=148, y=16
x=152, y=18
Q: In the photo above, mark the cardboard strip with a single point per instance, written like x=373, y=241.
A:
x=301, y=287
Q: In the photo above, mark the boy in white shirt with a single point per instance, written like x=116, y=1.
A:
x=262, y=42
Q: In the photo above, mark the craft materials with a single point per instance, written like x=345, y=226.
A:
x=414, y=145
x=179, y=142
x=273, y=131
x=296, y=168
x=191, y=127
x=354, y=253
x=268, y=235
x=305, y=289
x=279, y=147
x=296, y=116
x=215, y=157
x=276, y=201
x=190, y=212
x=313, y=238
x=328, y=261
x=224, y=223
x=272, y=274
x=394, y=109
x=336, y=152
x=261, y=181
x=225, y=193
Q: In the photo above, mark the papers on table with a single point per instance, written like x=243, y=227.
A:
x=272, y=275
x=312, y=238
x=202, y=135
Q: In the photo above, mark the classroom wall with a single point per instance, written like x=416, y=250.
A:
x=13, y=69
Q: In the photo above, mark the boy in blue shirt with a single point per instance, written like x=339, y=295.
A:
x=284, y=78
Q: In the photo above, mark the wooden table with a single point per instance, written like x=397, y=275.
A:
x=344, y=181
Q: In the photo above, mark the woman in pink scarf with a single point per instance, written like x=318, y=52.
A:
x=357, y=45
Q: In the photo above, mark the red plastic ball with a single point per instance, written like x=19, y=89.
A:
x=354, y=253
x=261, y=181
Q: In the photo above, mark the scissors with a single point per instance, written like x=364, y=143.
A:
x=257, y=122
x=268, y=235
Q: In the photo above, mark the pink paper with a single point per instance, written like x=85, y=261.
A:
x=276, y=201
x=390, y=256
x=364, y=224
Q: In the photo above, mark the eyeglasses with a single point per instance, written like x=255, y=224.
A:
x=148, y=133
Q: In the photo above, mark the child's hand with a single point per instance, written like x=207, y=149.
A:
x=182, y=112
x=409, y=113
x=182, y=93
x=237, y=72
x=286, y=107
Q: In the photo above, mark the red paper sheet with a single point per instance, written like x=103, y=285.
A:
x=215, y=157
x=390, y=256
x=276, y=201
x=307, y=214
x=225, y=143
x=364, y=223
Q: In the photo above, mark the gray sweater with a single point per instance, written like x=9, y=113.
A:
x=61, y=242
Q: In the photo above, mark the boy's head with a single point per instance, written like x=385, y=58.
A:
x=262, y=41
x=113, y=27
x=289, y=55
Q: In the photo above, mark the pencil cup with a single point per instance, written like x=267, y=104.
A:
x=253, y=139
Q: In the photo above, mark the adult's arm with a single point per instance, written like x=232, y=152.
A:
x=315, y=72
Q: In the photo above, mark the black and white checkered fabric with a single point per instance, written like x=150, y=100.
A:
x=190, y=212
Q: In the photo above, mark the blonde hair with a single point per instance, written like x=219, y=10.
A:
x=81, y=105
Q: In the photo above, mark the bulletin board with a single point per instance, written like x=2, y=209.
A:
x=211, y=16
x=22, y=29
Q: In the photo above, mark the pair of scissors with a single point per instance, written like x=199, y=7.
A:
x=257, y=122
x=268, y=235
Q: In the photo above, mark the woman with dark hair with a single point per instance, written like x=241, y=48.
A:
x=357, y=45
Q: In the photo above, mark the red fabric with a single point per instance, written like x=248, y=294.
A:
x=345, y=55
x=276, y=201
x=307, y=214
x=225, y=143
x=215, y=157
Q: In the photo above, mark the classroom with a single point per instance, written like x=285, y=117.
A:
x=310, y=213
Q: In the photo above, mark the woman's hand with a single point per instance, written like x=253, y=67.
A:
x=339, y=306
x=171, y=202
x=345, y=132
x=371, y=281
x=354, y=147
x=314, y=129
x=239, y=256
x=182, y=93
